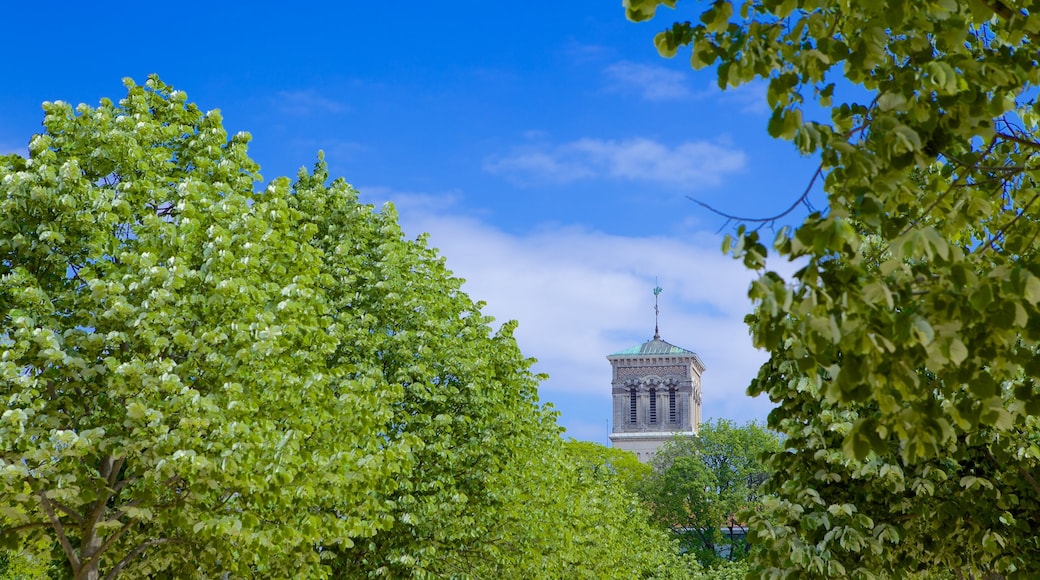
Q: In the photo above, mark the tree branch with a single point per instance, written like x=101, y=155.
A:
x=1007, y=13
x=108, y=543
x=136, y=552
x=802, y=199
x=109, y=466
x=1029, y=477
x=1015, y=139
x=958, y=183
x=63, y=539
x=1000, y=233
x=68, y=511
x=16, y=529
x=113, y=474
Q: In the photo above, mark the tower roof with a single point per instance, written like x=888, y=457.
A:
x=654, y=346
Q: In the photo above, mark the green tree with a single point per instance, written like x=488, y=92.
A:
x=904, y=348
x=173, y=402
x=969, y=510
x=603, y=461
x=22, y=564
x=702, y=488
x=467, y=408
x=205, y=379
x=574, y=521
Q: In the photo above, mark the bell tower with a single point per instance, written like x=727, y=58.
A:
x=656, y=389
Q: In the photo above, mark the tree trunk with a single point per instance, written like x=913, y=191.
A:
x=91, y=544
x=88, y=553
x=90, y=570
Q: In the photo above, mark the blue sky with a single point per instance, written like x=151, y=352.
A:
x=548, y=150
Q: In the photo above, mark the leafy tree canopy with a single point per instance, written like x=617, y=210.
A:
x=702, y=487
x=202, y=378
x=905, y=346
x=610, y=462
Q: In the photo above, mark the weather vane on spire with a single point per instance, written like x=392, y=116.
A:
x=657, y=311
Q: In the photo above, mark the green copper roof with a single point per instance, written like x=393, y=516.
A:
x=654, y=346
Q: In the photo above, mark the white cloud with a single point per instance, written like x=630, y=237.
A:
x=581, y=53
x=307, y=102
x=658, y=83
x=690, y=164
x=652, y=82
x=749, y=98
x=580, y=295
x=549, y=165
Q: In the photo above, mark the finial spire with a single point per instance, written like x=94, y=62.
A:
x=657, y=311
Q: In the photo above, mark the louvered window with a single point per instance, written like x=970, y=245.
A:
x=671, y=405
x=653, y=406
x=632, y=406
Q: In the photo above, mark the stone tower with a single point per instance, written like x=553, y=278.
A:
x=657, y=394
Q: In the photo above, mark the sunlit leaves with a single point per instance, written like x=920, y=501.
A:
x=204, y=378
x=702, y=485
x=907, y=334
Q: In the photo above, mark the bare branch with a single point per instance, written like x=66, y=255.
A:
x=123, y=483
x=802, y=200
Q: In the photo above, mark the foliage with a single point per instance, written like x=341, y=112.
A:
x=24, y=558
x=201, y=379
x=858, y=517
x=174, y=402
x=581, y=523
x=725, y=570
x=610, y=462
x=701, y=487
x=21, y=565
x=904, y=348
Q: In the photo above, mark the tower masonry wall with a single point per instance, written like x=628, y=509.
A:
x=645, y=448
x=655, y=396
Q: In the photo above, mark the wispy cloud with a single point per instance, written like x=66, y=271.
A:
x=580, y=295
x=691, y=163
x=652, y=82
x=582, y=53
x=307, y=102
x=659, y=83
x=748, y=98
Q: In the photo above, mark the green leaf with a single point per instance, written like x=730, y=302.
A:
x=958, y=351
x=1031, y=292
x=941, y=77
x=924, y=332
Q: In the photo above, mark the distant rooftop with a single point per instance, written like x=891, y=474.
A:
x=654, y=346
